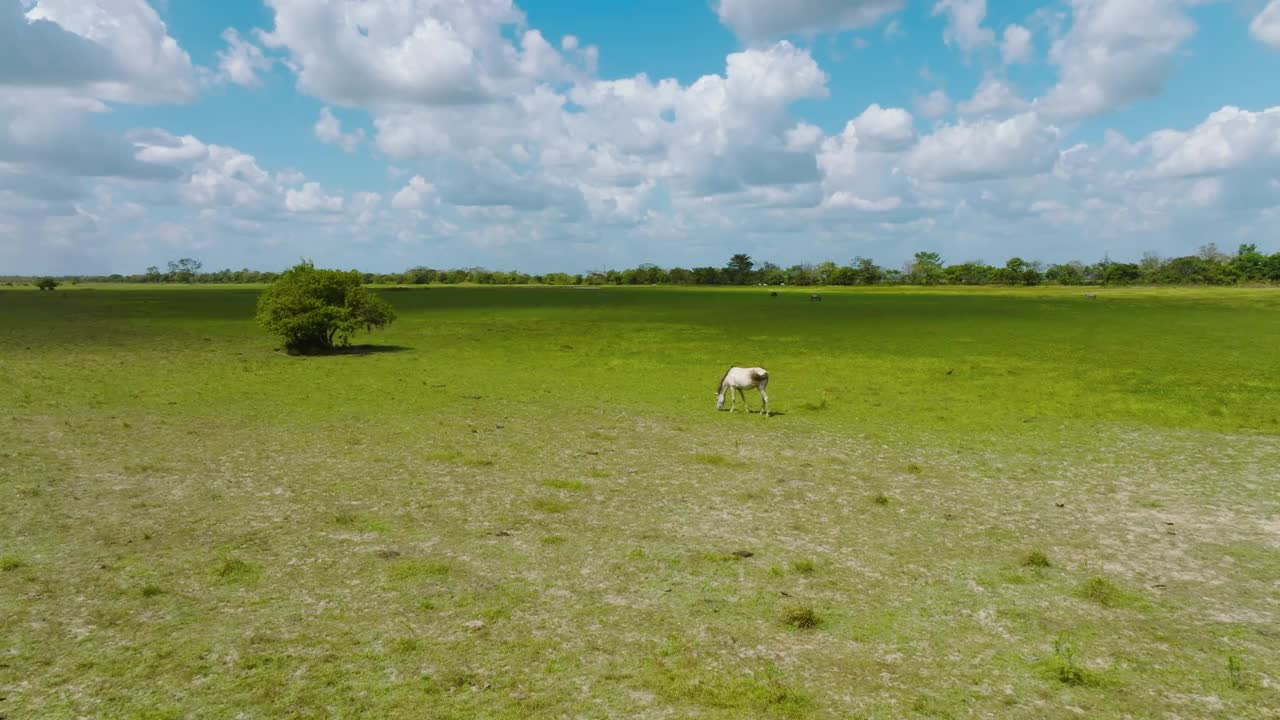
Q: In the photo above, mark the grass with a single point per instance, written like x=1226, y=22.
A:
x=487, y=523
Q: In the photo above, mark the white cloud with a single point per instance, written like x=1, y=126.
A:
x=984, y=150
x=413, y=195
x=147, y=65
x=1229, y=139
x=41, y=53
x=1016, y=46
x=329, y=130
x=964, y=23
x=311, y=199
x=884, y=129
x=241, y=61
x=425, y=52
x=1117, y=52
x=934, y=105
x=1266, y=26
x=765, y=19
x=993, y=97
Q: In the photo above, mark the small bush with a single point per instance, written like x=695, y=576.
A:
x=47, y=283
x=554, y=540
x=230, y=567
x=1235, y=673
x=1036, y=559
x=801, y=617
x=314, y=310
x=880, y=499
x=149, y=590
x=1102, y=591
x=9, y=563
x=915, y=469
x=804, y=567
x=1066, y=668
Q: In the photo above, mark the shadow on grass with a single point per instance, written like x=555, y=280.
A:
x=353, y=350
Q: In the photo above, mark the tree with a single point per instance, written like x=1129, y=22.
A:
x=739, y=269
x=925, y=269
x=314, y=310
x=1250, y=264
x=866, y=272
x=184, y=270
x=47, y=283
x=1121, y=274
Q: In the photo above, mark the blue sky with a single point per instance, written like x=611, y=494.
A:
x=547, y=135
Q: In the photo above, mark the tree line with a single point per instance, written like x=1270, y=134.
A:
x=1209, y=266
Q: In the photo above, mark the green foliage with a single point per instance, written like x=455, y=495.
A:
x=47, y=283
x=1235, y=673
x=314, y=310
x=738, y=271
x=1036, y=559
x=1065, y=667
x=801, y=617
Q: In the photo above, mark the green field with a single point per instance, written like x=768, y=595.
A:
x=521, y=503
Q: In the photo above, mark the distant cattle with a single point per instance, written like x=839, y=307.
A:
x=1091, y=296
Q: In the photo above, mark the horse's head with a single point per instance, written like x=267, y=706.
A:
x=720, y=401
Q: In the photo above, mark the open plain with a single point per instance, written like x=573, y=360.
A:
x=521, y=502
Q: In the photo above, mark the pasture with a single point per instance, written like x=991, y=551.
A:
x=521, y=503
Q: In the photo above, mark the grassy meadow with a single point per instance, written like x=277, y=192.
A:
x=521, y=503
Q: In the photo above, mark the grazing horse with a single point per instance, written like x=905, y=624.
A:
x=737, y=380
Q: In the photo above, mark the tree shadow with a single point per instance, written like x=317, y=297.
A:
x=354, y=350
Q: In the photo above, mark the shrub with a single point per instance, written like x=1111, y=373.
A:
x=1035, y=559
x=802, y=617
x=314, y=310
x=47, y=283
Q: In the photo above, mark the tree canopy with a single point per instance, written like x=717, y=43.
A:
x=315, y=310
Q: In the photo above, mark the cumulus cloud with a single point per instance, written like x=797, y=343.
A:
x=311, y=198
x=1229, y=139
x=964, y=23
x=934, y=105
x=146, y=64
x=883, y=129
x=415, y=51
x=413, y=195
x=1116, y=52
x=993, y=97
x=329, y=130
x=40, y=53
x=1021, y=145
x=757, y=20
x=1266, y=25
x=241, y=61
x=1016, y=45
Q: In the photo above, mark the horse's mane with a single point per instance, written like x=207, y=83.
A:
x=722, y=377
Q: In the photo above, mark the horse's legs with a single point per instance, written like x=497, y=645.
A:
x=764, y=396
x=745, y=404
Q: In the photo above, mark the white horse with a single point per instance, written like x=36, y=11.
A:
x=736, y=380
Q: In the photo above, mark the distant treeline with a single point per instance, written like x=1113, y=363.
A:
x=1210, y=266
